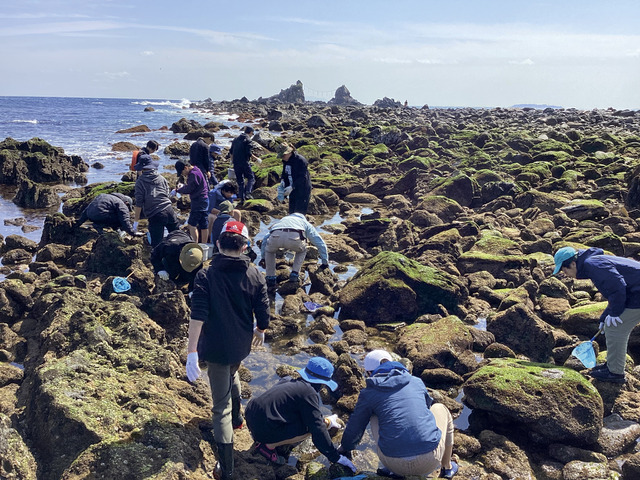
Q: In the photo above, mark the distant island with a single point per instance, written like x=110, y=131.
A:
x=534, y=105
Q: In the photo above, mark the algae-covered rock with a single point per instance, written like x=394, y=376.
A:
x=111, y=256
x=392, y=287
x=583, y=320
x=555, y=402
x=17, y=461
x=503, y=457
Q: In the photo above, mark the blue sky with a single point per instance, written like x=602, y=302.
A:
x=583, y=54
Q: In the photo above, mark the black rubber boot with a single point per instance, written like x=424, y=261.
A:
x=224, y=468
x=236, y=416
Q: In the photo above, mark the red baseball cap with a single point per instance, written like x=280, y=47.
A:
x=236, y=227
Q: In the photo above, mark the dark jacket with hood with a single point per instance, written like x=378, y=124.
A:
x=226, y=296
x=616, y=278
x=295, y=172
x=111, y=209
x=199, y=156
x=288, y=409
x=401, y=402
x=241, y=149
x=152, y=193
x=166, y=256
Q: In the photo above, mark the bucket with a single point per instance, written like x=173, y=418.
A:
x=207, y=251
x=231, y=174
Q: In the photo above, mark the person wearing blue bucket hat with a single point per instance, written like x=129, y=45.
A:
x=289, y=412
x=618, y=280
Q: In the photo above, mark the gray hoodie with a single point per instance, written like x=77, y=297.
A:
x=152, y=193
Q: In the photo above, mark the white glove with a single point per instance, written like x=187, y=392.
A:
x=135, y=226
x=287, y=191
x=163, y=274
x=601, y=327
x=612, y=321
x=347, y=463
x=258, y=338
x=172, y=193
x=193, y=370
x=259, y=160
x=333, y=421
x=179, y=185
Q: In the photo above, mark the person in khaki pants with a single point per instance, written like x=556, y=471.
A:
x=414, y=436
x=618, y=280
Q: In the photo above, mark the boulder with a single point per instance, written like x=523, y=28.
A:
x=17, y=460
x=38, y=162
x=137, y=128
x=524, y=332
x=618, y=435
x=392, y=287
x=17, y=241
x=343, y=97
x=293, y=94
x=124, y=147
x=111, y=256
x=556, y=403
x=34, y=195
x=316, y=121
x=185, y=126
x=504, y=458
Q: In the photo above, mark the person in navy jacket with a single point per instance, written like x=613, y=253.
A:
x=618, y=280
x=414, y=435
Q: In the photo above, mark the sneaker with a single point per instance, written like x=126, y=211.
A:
x=449, y=472
x=604, y=375
x=248, y=196
x=385, y=472
x=269, y=453
x=599, y=367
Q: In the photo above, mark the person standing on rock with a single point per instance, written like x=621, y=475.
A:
x=241, y=154
x=109, y=210
x=199, y=157
x=618, y=280
x=291, y=233
x=198, y=191
x=414, y=436
x=177, y=258
x=296, y=180
x=144, y=157
x=153, y=201
x=226, y=296
x=289, y=412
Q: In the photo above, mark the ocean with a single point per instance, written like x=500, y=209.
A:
x=86, y=127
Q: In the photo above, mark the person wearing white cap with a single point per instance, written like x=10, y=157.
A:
x=289, y=412
x=226, y=296
x=414, y=436
x=618, y=280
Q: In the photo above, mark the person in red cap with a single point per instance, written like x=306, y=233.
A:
x=226, y=296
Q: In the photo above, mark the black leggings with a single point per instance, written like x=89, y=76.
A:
x=166, y=218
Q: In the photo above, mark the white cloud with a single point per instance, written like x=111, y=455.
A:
x=147, y=53
x=392, y=60
x=115, y=75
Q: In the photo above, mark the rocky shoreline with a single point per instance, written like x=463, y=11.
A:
x=464, y=208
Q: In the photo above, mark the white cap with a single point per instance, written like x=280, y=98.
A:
x=375, y=358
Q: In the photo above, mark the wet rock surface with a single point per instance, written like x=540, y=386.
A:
x=448, y=218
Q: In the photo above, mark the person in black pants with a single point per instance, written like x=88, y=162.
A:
x=153, y=201
x=109, y=210
x=296, y=180
x=241, y=154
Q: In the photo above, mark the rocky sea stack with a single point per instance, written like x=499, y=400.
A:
x=450, y=218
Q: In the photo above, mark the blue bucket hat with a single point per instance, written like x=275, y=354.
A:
x=215, y=149
x=319, y=370
x=562, y=255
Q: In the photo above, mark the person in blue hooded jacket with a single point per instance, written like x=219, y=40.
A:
x=618, y=280
x=414, y=435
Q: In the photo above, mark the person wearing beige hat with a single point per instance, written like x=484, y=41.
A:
x=414, y=436
x=295, y=179
x=177, y=258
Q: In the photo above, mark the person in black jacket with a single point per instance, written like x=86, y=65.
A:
x=109, y=210
x=145, y=161
x=225, y=214
x=241, y=153
x=177, y=258
x=289, y=412
x=200, y=157
x=226, y=296
x=296, y=180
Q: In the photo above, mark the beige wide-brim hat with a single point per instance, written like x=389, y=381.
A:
x=286, y=149
x=191, y=257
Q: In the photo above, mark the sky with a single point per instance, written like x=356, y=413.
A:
x=571, y=53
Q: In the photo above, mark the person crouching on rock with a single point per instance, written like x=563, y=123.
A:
x=226, y=296
x=289, y=412
x=414, y=436
x=291, y=233
x=111, y=210
x=198, y=191
x=177, y=258
x=618, y=280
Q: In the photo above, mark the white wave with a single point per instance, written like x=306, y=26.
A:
x=24, y=121
x=185, y=102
